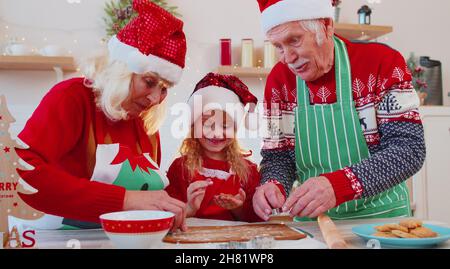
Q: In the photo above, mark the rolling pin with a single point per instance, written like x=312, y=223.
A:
x=330, y=233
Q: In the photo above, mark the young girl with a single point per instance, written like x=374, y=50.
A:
x=213, y=175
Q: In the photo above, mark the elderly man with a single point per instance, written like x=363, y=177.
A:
x=342, y=117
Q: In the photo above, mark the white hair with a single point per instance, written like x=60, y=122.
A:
x=110, y=81
x=316, y=26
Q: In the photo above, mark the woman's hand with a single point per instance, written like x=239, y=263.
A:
x=157, y=200
x=229, y=201
x=195, y=194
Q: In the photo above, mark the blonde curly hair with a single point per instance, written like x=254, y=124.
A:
x=110, y=81
x=192, y=150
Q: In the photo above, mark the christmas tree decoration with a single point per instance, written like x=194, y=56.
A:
x=120, y=12
x=10, y=183
x=417, y=73
x=418, y=78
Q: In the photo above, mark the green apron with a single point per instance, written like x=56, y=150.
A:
x=329, y=137
x=116, y=164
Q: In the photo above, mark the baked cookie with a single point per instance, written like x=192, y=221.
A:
x=423, y=232
x=411, y=223
x=391, y=226
x=385, y=235
x=403, y=234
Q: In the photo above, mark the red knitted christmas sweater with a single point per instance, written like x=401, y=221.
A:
x=388, y=109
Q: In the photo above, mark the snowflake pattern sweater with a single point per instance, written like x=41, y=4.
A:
x=387, y=105
x=62, y=135
x=223, y=182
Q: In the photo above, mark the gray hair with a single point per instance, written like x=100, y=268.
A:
x=315, y=26
x=110, y=80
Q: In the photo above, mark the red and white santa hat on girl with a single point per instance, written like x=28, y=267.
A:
x=222, y=92
x=277, y=12
x=153, y=41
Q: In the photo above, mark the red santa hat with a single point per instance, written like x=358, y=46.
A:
x=222, y=92
x=277, y=12
x=152, y=42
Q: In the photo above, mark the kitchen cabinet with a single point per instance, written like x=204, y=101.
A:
x=431, y=186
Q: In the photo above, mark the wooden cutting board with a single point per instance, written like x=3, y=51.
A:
x=239, y=233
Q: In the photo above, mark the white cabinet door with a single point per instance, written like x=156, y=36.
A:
x=437, y=168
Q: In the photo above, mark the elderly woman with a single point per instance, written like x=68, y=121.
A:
x=93, y=141
x=343, y=120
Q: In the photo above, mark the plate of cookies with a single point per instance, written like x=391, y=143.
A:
x=407, y=233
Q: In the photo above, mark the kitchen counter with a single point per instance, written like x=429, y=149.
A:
x=97, y=239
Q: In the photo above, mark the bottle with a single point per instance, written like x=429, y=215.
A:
x=225, y=51
x=269, y=55
x=247, y=53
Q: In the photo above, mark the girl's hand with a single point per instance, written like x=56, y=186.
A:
x=229, y=201
x=195, y=194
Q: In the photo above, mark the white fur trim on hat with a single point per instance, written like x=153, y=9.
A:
x=140, y=63
x=295, y=10
x=216, y=98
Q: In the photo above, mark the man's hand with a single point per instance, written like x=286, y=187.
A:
x=311, y=199
x=267, y=197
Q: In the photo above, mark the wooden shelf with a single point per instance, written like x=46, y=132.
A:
x=253, y=72
x=362, y=32
x=67, y=64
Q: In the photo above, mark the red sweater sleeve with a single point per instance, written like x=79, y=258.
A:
x=53, y=131
x=178, y=183
x=250, y=188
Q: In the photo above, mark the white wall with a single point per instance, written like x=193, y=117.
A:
x=78, y=27
x=420, y=26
